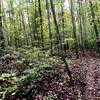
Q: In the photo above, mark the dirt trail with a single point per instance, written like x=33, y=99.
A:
x=89, y=73
x=93, y=79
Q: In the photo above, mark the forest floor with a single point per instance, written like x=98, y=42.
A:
x=86, y=74
x=87, y=71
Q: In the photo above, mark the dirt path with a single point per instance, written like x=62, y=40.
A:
x=88, y=72
x=93, y=79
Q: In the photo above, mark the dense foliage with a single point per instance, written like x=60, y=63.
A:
x=30, y=22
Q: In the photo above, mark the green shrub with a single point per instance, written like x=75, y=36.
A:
x=91, y=43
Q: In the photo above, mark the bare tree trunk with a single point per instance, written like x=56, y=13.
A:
x=84, y=29
x=34, y=29
x=14, y=39
x=80, y=25
x=60, y=41
x=94, y=25
x=41, y=23
x=49, y=27
x=1, y=33
x=63, y=22
x=23, y=24
x=30, y=37
x=4, y=24
x=74, y=29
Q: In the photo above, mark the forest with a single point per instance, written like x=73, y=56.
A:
x=49, y=49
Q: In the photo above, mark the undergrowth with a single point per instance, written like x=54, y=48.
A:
x=24, y=66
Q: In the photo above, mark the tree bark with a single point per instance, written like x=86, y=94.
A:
x=2, y=46
x=94, y=25
x=60, y=41
x=49, y=27
x=74, y=28
x=80, y=25
x=41, y=24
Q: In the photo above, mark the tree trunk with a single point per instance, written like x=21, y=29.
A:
x=60, y=42
x=74, y=29
x=49, y=27
x=41, y=24
x=1, y=33
x=94, y=25
x=23, y=24
x=80, y=25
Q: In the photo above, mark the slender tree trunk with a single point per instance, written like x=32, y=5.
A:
x=28, y=14
x=23, y=24
x=49, y=27
x=9, y=37
x=94, y=25
x=84, y=29
x=20, y=28
x=63, y=22
x=1, y=33
x=74, y=29
x=41, y=23
x=34, y=29
x=4, y=22
x=60, y=41
x=58, y=36
x=80, y=25
x=14, y=39
x=29, y=26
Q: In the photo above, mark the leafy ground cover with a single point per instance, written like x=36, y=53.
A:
x=27, y=75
